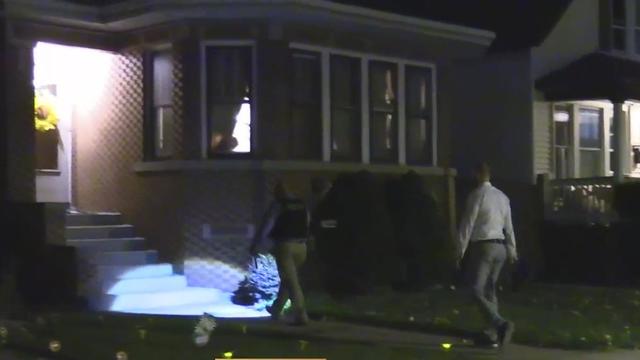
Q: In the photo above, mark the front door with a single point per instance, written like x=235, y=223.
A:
x=53, y=125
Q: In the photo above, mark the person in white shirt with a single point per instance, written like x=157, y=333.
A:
x=486, y=232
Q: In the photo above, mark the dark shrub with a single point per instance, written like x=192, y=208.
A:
x=626, y=198
x=353, y=252
x=420, y=241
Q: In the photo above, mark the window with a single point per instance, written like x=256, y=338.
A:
x=590, y=142
x=228, y=98
x=383, y=123
x=345, y=108
x=306, y=101
x=625, y=26
x=562, y=127
x=419, y=113
x=349, y=106
x=618, y=24
x=162, y=106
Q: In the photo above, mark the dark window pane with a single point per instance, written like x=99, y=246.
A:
x=345, y=135
x=562, y=124
x=383, y=137
x=163, y=131
x=383, y=115
x=306, y=78
x=419, y=114
x=637, y=40
x=162, y=78
x=228, y=92
x=619, y=17
x=590, y=163
x=619, y=39
x=306, y=122
x=345, y=113
x=306, y=133
x=590, y=125
x=562, y=162
x=419, y=141
x=383, y=82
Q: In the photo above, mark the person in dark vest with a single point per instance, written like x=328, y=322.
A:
x=286, y=222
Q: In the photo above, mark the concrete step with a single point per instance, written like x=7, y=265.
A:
x=99, y=232
x=142, y=285
x=150, y=300
x=219, y=310
x=134, y=271
x=92, y=219
x=142, y=257
x=121, y=244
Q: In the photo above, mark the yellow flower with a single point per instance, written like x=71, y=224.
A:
x=46, y=117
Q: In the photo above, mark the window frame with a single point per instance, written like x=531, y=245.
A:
x=253, y=102
x=574, y=148
x=365, y=59
x=149, y=106
x=631, y=28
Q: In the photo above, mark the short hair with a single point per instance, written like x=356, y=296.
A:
x=483, y=169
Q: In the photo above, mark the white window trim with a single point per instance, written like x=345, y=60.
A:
x=365, y=58
x=574, y=143
x=203, y=90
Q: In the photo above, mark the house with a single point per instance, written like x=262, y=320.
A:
x=557, y=115
x=162, y=125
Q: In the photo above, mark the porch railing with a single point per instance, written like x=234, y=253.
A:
x=587, y=200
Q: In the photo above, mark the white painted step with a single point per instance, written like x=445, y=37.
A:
x=218, y=310
x=143, y=257
x=99, y=232
x=142, y=285
x=121, y=244
x=134, y=271
x=88, y=219
x=150, y=300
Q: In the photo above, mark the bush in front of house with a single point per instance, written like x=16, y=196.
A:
x=420, y=234
x=626, y=197
x=354, y=252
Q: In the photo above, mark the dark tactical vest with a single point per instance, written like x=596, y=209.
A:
x=292, y=221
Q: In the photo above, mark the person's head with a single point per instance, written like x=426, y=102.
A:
x=482, y=172
x=281, y=191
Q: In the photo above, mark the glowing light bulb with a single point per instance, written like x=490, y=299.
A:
x=55, y=346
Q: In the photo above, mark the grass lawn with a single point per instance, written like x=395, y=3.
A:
x=550, y=316
x=102, y=336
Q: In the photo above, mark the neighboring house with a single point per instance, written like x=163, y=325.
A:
x=190, y=110
x=557, y=113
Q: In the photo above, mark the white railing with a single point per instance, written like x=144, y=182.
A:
x=579, y=200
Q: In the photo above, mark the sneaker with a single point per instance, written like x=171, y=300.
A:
x=203, y=329
x=505, y=331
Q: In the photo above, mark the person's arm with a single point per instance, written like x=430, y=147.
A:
x=512, y=253
x=467, y=223
x=266, y=224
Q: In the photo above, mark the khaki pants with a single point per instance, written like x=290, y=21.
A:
x=289, y=257
x=486, y=261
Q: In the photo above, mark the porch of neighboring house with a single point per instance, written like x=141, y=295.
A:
x=590, y=128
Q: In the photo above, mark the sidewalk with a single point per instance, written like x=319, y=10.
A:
x=344, y=332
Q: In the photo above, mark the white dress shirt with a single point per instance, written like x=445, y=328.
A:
x=487, y=216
